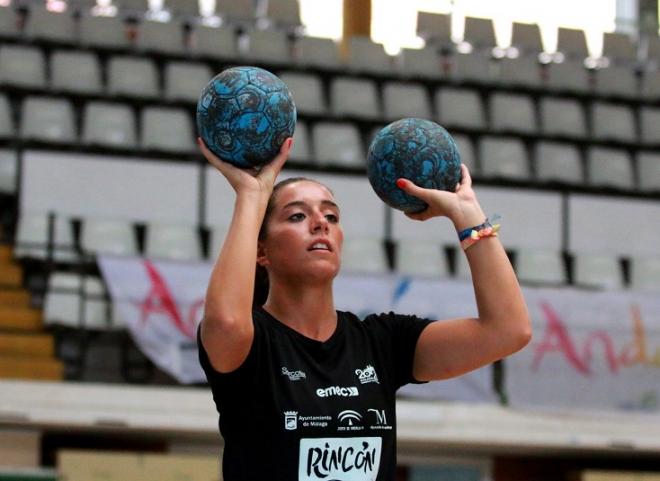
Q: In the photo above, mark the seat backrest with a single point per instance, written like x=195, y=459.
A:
x=338, y=144
x=648, y=171
x=406, y=100
x=649, y=118
x=597, y=271
x=45, y=25
x=62, y=304
x=434, y=27
x=504, y=158
x=172, y=241
x=572, y=43
x=480, y=32
x=512, y=112
x=32, y=237
x=521, y=71
x=568, y=76
x=317, y=52
x=540, y=267
x=617, y=80
x=607, y=167
x=75, y=71
x=183, y=8
x=421, y=259
x=650, y=88
x=424, y=62
x=558, y=162
x=9, y=24
x=284, y=12
x=466, y=151
x=108, y=236
x=185, y=80
x=167, y=129
x=301, y=150
x=526, y=37
x=613, y=122
x=214, y=42
x=645, y=274
x=354, y=97
x=459, y=107
x=619, y=47
x=7, y=129
x=368, y=56
x=103, y=32
x=8, y=172
x=22, y=66
x=48, y=119
x=562, y=116
x=471, y=67
x=269, y=46
x=108, y=124
x=364, y=256
x=160, y=37
x=132, y=77
x=236, y=11
x=307, y=90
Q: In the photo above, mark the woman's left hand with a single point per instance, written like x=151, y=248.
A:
x=460, y=206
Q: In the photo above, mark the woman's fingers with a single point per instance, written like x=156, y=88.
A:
x=275, y=166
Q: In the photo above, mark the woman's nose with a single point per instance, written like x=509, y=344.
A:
x=319, y=222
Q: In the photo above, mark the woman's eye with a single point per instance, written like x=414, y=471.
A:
x=297, y=217
x=332, y=218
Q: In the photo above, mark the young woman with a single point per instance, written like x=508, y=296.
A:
x=306, y=392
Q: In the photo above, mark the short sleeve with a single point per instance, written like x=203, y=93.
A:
x=402, y=332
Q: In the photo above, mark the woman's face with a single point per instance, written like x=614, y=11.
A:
x=303, y=236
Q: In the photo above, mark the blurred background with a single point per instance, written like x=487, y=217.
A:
x=110, y=220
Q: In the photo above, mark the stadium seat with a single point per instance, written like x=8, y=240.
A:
x=32, y=237
x=269, y=47
x=338, y=144
x=645, y=274
x=8, y=171
x=109, y=125
x=283, y=13
x=132, y=77
x=471, y=68
x=22, y=66
x=572, y=43
x=425, y=63
x=650, y=85
x=649, y=119
x=597, y=271
x=653, y=50
x=418, y=258
x=132, y=8
x=459, y=107
x=435, y=28
x=609, y=168
x=537, y=266
x=317, y=52
x=364, y=256
x=354, y=97
x=48, y=119
x=503, y=158
x=108, y=236
x=307, y=90
x=612, y=122
x=616, y=80
x=216, y=240
x=213, y=42
x=406, y=100
x=466, y=150
x=526, y=37
x=183, y=8
x=301, y=148
x=9, y=24
x=172, y=241
x=558, y=162
x=103, y=32
x=461, y=266
x=511, y=112
x=519, y=72
x=236, y=11
x=46, y=26
x=648, y=171
x=167, y=130
x=568, y=76
x=185, y=80
x=368, y=56
x=619, y=47
x=7, y=129
x=563, y=117
x=63, y=303
x=76, y=72
x=161, y=37
x=480, y=33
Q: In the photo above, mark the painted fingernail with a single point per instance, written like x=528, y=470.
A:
x=400, y=183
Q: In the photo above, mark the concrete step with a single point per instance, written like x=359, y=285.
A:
x=14, y=297
x=31, y=368
x=6, y=254
x=16, y=344
x=11, y=275
x=20, y=318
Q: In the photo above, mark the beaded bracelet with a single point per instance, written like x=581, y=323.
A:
x=472, y=235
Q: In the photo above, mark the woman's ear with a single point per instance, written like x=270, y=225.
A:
x=262, y=259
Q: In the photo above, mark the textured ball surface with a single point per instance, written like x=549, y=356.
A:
x=415, y=149
x=244, y=115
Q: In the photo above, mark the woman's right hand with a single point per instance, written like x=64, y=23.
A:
x=249, y=180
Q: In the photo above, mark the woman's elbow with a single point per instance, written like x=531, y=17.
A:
x=523, y=334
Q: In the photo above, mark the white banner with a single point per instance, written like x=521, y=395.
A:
x=162, y=302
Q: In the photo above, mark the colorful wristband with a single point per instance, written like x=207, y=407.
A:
x=472, y=235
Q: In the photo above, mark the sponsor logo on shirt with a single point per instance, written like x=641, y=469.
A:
x=339, y=459
x=349, y=420
x=290, y=420
x=367, y=375
x=293, y=375
x=293, y=420
x=378, y=419
x=343, y=391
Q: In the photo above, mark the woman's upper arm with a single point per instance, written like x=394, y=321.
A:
x=227, y=344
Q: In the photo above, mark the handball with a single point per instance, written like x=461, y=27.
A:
x=414, y=149
x=244, y=115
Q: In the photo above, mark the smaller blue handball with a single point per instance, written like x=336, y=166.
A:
x=244, y=115
x=415, y=149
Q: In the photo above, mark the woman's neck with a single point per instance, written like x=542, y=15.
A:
x=310, y=310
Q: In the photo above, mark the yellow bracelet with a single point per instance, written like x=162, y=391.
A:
x=477, y=233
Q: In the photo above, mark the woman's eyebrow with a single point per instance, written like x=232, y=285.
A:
x=300, y=203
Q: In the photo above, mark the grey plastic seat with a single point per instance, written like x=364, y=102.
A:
x=183, y=8
x=368, y=56
x=459, y=107
x=184, y=81
x=405, y=100
x=8, y=171
x=519, y=72
x=608, y=167
x=75, y=72
x=649, y=119
x=167, y=129
x=480, y=32
x=648, y=168
x=317, y=52
x=236, y=11
x=269, y=46
x=284, y=13
x=103, y=32
x=558, y=162
x=307, y=90
x=612, y=122
x=355, y=97
x=595, y=270
x=572, y=43
x=645, y=273
x=338, y=144
x=47, y=119
x=418, y=258
x=562, y=116
x=133, y=8
x=301, y=150
x=7, y=128
x=466, y=150
x=526, y=37
x=424, y=63
x=45, y=25
x=619, y=47
x=108, y=124
x=22, y=66
x=544, y=267
x=650, y=85
x=172, y=241
x=132, y=77
x=77, y=302
x=471, y=67
x=214, y=42
x=9, y=23
x=161, y=37
x=435, y=28
x=504, y=158
x=364, y=256
x=32, y=237
x=615, y=80
x=108, y=236
x=568, y=76
x=512, y=112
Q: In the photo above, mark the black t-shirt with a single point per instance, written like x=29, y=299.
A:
x=300, y=409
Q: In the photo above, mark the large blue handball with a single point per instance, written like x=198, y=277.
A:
x=415, y=149
x=244, y=115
